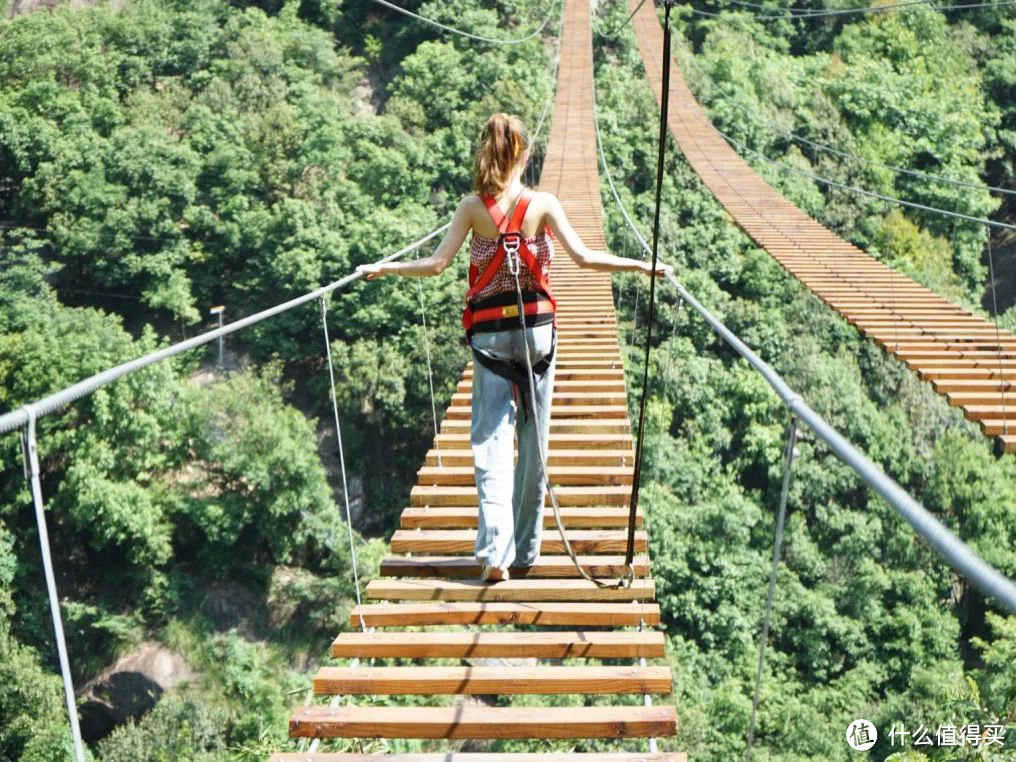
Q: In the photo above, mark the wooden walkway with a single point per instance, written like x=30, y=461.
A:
x=951, y=347
x=498, y=637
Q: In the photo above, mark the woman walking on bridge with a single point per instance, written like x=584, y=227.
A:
x=509, y=273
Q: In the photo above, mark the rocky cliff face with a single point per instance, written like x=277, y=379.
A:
x=17, y=7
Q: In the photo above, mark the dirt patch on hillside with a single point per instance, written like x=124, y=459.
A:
x=17, y=7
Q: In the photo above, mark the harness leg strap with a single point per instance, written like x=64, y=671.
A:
x=515, y=372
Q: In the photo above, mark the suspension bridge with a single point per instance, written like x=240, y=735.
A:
x=967, y=358
x=430, y=581
x=549, y=631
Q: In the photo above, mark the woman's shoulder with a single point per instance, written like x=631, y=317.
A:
x=471, y=201
x=546, y=203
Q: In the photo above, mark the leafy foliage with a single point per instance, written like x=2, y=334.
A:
x=867, y=621
x=156, y=160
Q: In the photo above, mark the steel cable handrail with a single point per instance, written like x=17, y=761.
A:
x=18, y=418
x=470, y=35
x=912, y=4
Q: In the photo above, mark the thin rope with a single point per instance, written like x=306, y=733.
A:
x=647, y=700
x=891, y=167
x=470, y=35
x=538, y=131
x=912, y=5
x=52, y=402
x=553, y=82
x=661, y=152
x=816, y=146
x=47, y=231
x=810, y=11
x=514, y=267
x=635, y=313
x=430, y=372
x=666, y=378
x=609, y=35
x=777, y=545
x=998, y=338
x=892, y=299
x=871, y=194
x=30, y=451
x=342, y=463
x=610, y=179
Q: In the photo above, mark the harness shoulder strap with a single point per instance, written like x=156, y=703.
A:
x=521, y=207
x=496, y=215
x=480, y=281
x=533, y=264
x=500, y=220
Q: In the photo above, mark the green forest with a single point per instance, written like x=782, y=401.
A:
x=161, y=157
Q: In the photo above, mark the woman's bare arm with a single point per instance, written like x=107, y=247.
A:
x=436, y=262
x=582, y=254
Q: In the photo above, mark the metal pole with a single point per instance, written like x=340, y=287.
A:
x=777, y=546
x=31, y=455
x=219, y=310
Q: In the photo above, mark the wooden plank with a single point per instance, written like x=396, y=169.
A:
x=557, y=411
x=497, y=681
x=557, y=440
x=468, y=721
x=465, y=517
x=571, y=475
x=486, y=757
x=973, y=385
x=555, y=457
x=560, y=644
x=607, y=429
x=463, y=540
x=567, y=495
x=546, y=566
x=566, y=397
x=545, y=613
x=512, y=590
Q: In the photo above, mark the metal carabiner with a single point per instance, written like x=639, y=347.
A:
x=511, y=244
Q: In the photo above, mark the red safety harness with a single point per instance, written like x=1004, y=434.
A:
x=500, y=311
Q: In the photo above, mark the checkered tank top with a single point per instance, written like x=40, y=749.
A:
x=481, y=251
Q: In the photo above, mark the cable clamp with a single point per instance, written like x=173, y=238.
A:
x=628, y=578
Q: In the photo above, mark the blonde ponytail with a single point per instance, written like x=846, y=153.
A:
x=504, y=144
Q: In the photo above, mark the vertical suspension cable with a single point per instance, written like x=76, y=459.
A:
x=998, y=339
x=777, y=546
x=342, y=463
x=30, y=450
x=666, y=377
x=661, y=149
x=430, y=372
x=536, y=134
x=892, y=296
x=345, y=495
x=620, y=302
x=635, y=314
x=647, y=699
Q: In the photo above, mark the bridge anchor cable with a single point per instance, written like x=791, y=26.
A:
x=771, y=593
x=661, y=155
x=32, y=472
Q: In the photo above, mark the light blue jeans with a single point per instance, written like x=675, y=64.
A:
x=511, y=505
